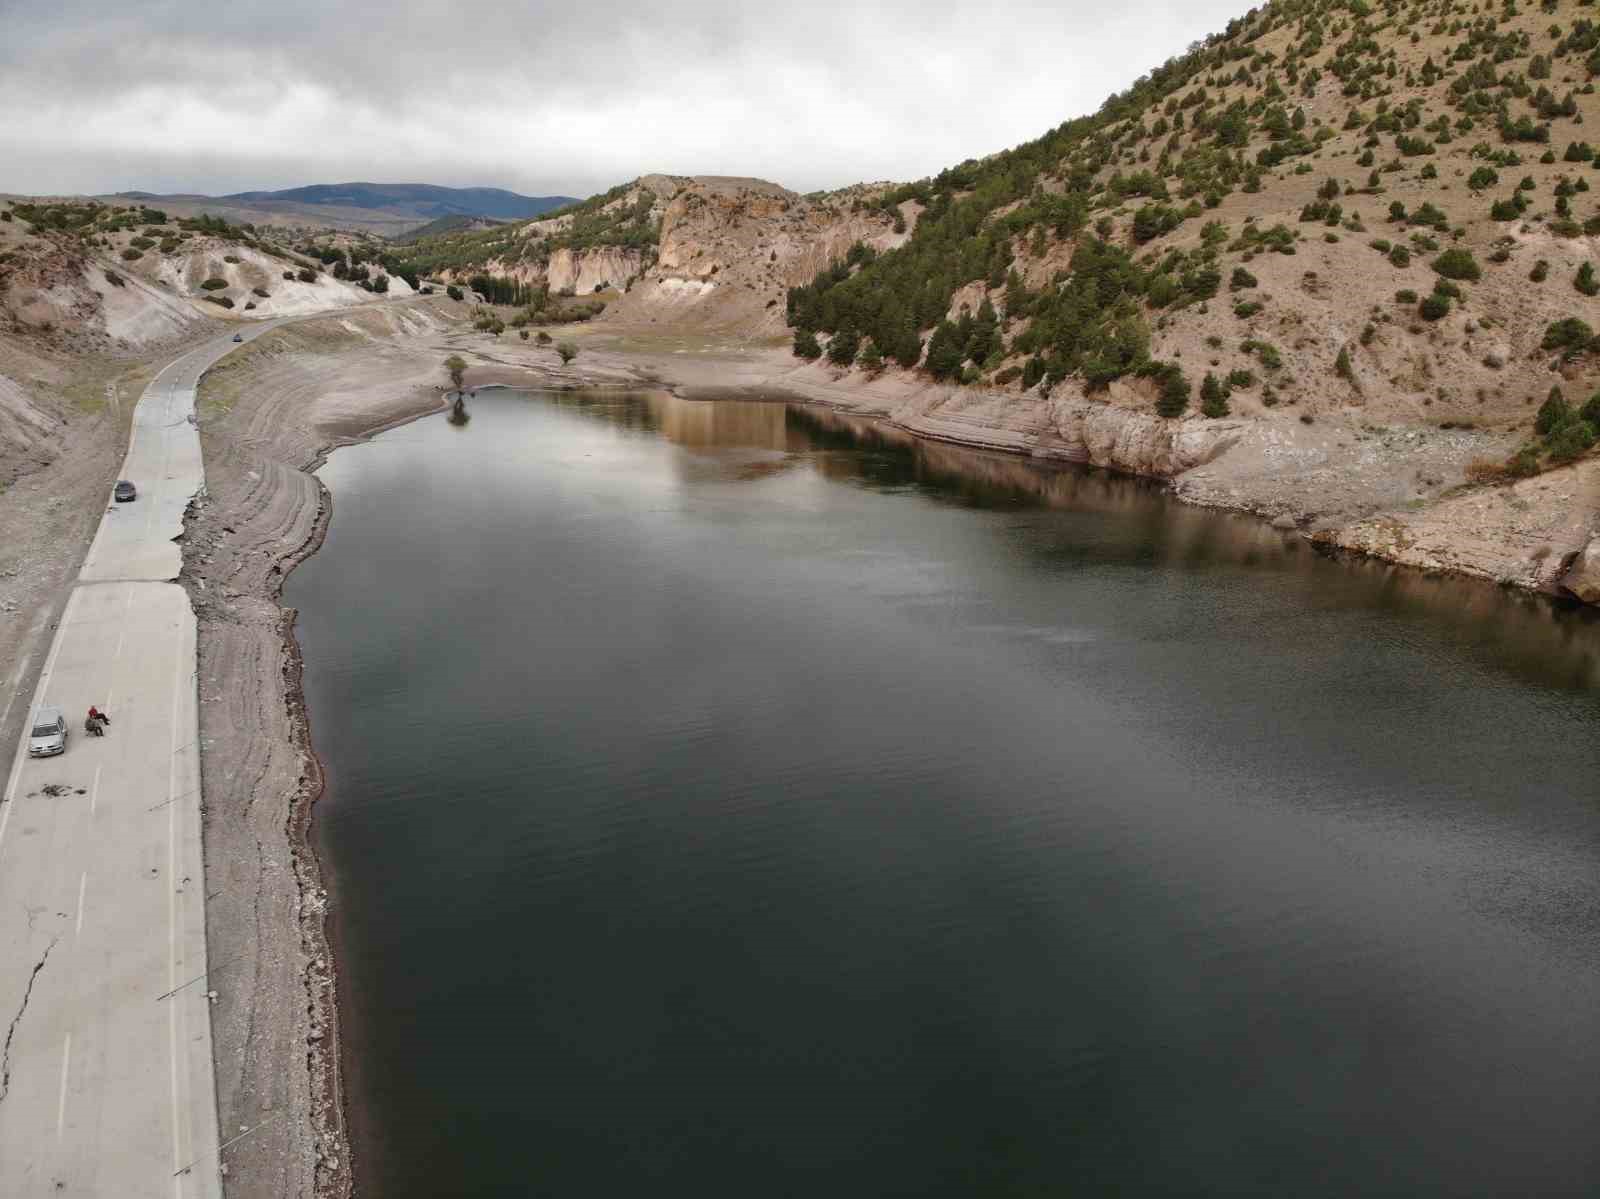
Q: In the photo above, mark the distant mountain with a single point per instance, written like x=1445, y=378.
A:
x=422, y=199
x=389, y=209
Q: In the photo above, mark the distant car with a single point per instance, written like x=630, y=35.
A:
x=48, y=736
x=238, y=337
x=125, y=491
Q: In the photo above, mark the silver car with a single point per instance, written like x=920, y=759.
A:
x=48, y=736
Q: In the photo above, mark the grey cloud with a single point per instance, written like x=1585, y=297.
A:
x=547, y=98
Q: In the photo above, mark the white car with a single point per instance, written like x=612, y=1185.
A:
x=48, y=736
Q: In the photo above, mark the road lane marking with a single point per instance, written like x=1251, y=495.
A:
x=94, y=791
x=83, y=882
x=61, y=1103
x=172, y=921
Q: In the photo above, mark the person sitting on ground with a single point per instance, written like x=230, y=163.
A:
x=96, y=714
x=91, y=725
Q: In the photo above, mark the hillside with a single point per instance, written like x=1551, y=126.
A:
x=1335, y=265
x=389, y=209
x=87, y=289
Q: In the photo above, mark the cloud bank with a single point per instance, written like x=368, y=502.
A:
x=543, y=98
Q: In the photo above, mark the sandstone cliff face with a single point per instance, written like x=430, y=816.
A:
x=731, y=248
x=584, y=271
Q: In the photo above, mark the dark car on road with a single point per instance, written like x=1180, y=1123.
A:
x=125, y=491
x=238, y=337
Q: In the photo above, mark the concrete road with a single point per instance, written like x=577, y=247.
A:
x=106, y=1086
x=106, y=1082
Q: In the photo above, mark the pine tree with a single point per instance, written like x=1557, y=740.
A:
x=1213, y=397
x=805, y=344
x=985, y=333
x=1174, y=398
x=1553, y=413
x=945, y=351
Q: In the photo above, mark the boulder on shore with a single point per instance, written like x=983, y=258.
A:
x=1582, y=578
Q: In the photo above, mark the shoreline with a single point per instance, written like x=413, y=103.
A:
x=326, y=1060
x=329, y=1167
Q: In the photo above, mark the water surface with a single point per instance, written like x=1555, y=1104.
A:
x=728, y=799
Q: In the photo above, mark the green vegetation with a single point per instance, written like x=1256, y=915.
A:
x=1458, y=264
x=1571, y=336
x=610, y=219
x=567, y=350
x=456, y=367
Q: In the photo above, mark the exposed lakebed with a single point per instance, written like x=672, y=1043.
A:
x=726, y=798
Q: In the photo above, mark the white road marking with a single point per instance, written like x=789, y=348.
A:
x=61, y=1103
x=172, y=920
x=83, y=882
x=94, y=791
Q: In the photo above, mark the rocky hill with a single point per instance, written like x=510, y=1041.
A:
x=1336, y=264
x=88, y=289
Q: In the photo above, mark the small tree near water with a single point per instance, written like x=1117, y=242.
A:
x=567, y=350
x=457, y=367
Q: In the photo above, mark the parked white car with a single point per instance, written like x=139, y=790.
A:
x=48, y=736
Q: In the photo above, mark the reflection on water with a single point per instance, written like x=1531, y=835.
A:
x=736, y=797
x=1553, y=641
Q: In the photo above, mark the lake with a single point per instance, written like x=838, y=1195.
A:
x=730, y=798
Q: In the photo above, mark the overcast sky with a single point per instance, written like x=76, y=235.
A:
x=543, y=98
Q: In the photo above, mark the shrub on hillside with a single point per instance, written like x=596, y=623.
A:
x=214, y=284
x=454, y=292
x=220, y=301
x=1585, y=281
x=1571, y=336
x=1435, y=307
x=1553, y=413
x=842, y=347
x=1570, y=440
x=1400, y=256
x=1458, y=264
x=306, y=275
x=115, y=279
x=805, y=345
x=131, y=255
x=1241, y=279
x=262, y=292
x=1213, y=397
x=1173, y=400
x=1540, y=272
x=234, y=258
